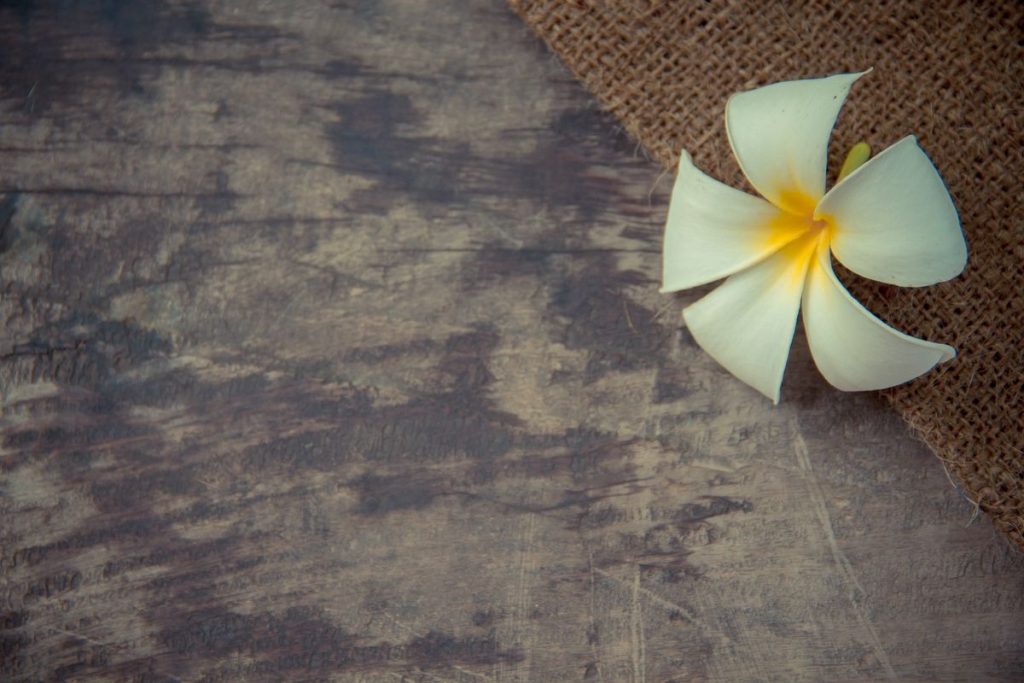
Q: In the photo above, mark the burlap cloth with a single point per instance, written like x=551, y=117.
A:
x=949, y=72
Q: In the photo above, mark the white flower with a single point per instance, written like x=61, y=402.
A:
x=891, y=219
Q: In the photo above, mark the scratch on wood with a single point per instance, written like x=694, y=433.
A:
x=668, y=605
x=521, y=600
x=629, y=319
x=594, y=636
x=855, y=591
x=637, y=651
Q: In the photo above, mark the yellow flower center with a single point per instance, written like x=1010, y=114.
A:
x=794, y=220
x=795, y=230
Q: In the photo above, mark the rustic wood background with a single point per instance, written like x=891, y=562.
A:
x=332, y=350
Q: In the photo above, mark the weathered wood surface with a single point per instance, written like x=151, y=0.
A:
x=332, y=350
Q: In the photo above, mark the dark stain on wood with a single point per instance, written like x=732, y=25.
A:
x=37, y=33
x=370, y=140
x=618, y=334
x=305, y=640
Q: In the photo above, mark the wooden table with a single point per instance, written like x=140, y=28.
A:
x=332, y=350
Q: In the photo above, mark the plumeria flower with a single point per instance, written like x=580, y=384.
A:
x=890, y=219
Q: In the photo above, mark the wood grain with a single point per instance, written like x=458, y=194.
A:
x=332, y=350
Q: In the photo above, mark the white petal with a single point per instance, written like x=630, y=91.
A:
x=747, y=323
x=714, y=230
x=779, y=134
x=893, y=220
x=853, y=349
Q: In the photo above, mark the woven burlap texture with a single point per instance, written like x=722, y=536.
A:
x=950, y=73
